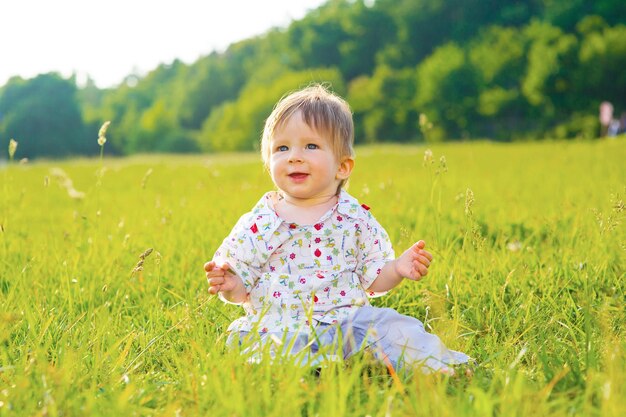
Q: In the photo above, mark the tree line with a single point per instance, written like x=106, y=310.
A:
x=412, y=70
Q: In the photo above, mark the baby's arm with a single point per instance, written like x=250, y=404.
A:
x=412, y=264
x=222, y=280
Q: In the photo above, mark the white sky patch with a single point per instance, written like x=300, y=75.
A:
x=109, y=40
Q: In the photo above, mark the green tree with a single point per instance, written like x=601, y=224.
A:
x=601, y=71
x=125, y=105
x=368, y=31
x=318, y=36
x=43, y=115
x=446, y=91
x=383, y=105
x=159, y=131
x=424, y=25
x=548, y=78
x=567, y=13
x=498, y=55
x=237, y=125
x=215, y=79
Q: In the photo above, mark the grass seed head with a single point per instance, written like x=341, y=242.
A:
x=142, y=257
x=12, y=148
x=424, y=123
x=103, y=129
x=514, y=246
x=137, y=268
x=102, y=133
x=146, y=253
x=144, y=180
x=469, y=201
x=75, y=194
x=66, y=182
x=443, y=164
x=428, y=157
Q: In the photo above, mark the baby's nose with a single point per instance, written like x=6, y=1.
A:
x=295, y=155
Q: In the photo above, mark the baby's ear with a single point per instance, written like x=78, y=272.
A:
x=345, y=168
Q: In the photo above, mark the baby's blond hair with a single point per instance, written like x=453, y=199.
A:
x=321, y=110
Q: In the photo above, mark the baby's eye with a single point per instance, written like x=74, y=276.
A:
x=282, y=148
x=312, y=146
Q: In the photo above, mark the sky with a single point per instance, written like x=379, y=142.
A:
x=110, y=39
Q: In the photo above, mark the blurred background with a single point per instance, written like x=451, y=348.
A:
x=191, y=77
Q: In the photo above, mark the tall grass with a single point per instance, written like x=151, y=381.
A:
x=528, y=279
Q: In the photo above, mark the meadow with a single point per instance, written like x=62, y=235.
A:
x=104, y=307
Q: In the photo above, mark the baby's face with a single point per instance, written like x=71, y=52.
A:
x=302, y=162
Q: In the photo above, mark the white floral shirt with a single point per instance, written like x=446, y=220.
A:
x=298, y=275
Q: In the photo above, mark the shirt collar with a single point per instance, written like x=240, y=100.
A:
x=347, y=205
x=264, y=208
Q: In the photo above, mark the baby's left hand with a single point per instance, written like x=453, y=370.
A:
x=414, y=262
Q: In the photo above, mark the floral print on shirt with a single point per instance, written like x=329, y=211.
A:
x=298, y=275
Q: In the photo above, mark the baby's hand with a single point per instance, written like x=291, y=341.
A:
x=414, y=262
x=221, y=278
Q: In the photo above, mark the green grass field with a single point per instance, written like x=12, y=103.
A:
x=528, y=278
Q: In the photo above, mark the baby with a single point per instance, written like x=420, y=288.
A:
x=305, y=259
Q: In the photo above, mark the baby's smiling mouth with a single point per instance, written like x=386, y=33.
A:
x=298, y=175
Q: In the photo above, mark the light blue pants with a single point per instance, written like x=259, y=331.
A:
x=392, y=337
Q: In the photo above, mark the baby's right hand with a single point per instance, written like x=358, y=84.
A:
x=221, y=278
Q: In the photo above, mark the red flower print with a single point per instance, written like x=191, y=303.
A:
x=264, y=330
x=272, y=268
x=292, y=256
x=320, y=276
x=254, y=228
x=302, y=280
x=343, y=293
x=329, y=258
x=318, y=252
x=318, y=240
x=372, y=293
x=378, y=271
x=276, y=294
x=326, y=289
x=292, y=226
x=376, y=242
x=339, y=218
x=318, y=226
x=315, y=300
x=365, y=206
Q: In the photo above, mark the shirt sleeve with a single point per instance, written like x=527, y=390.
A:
x=375, y=252
x=239, y=250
